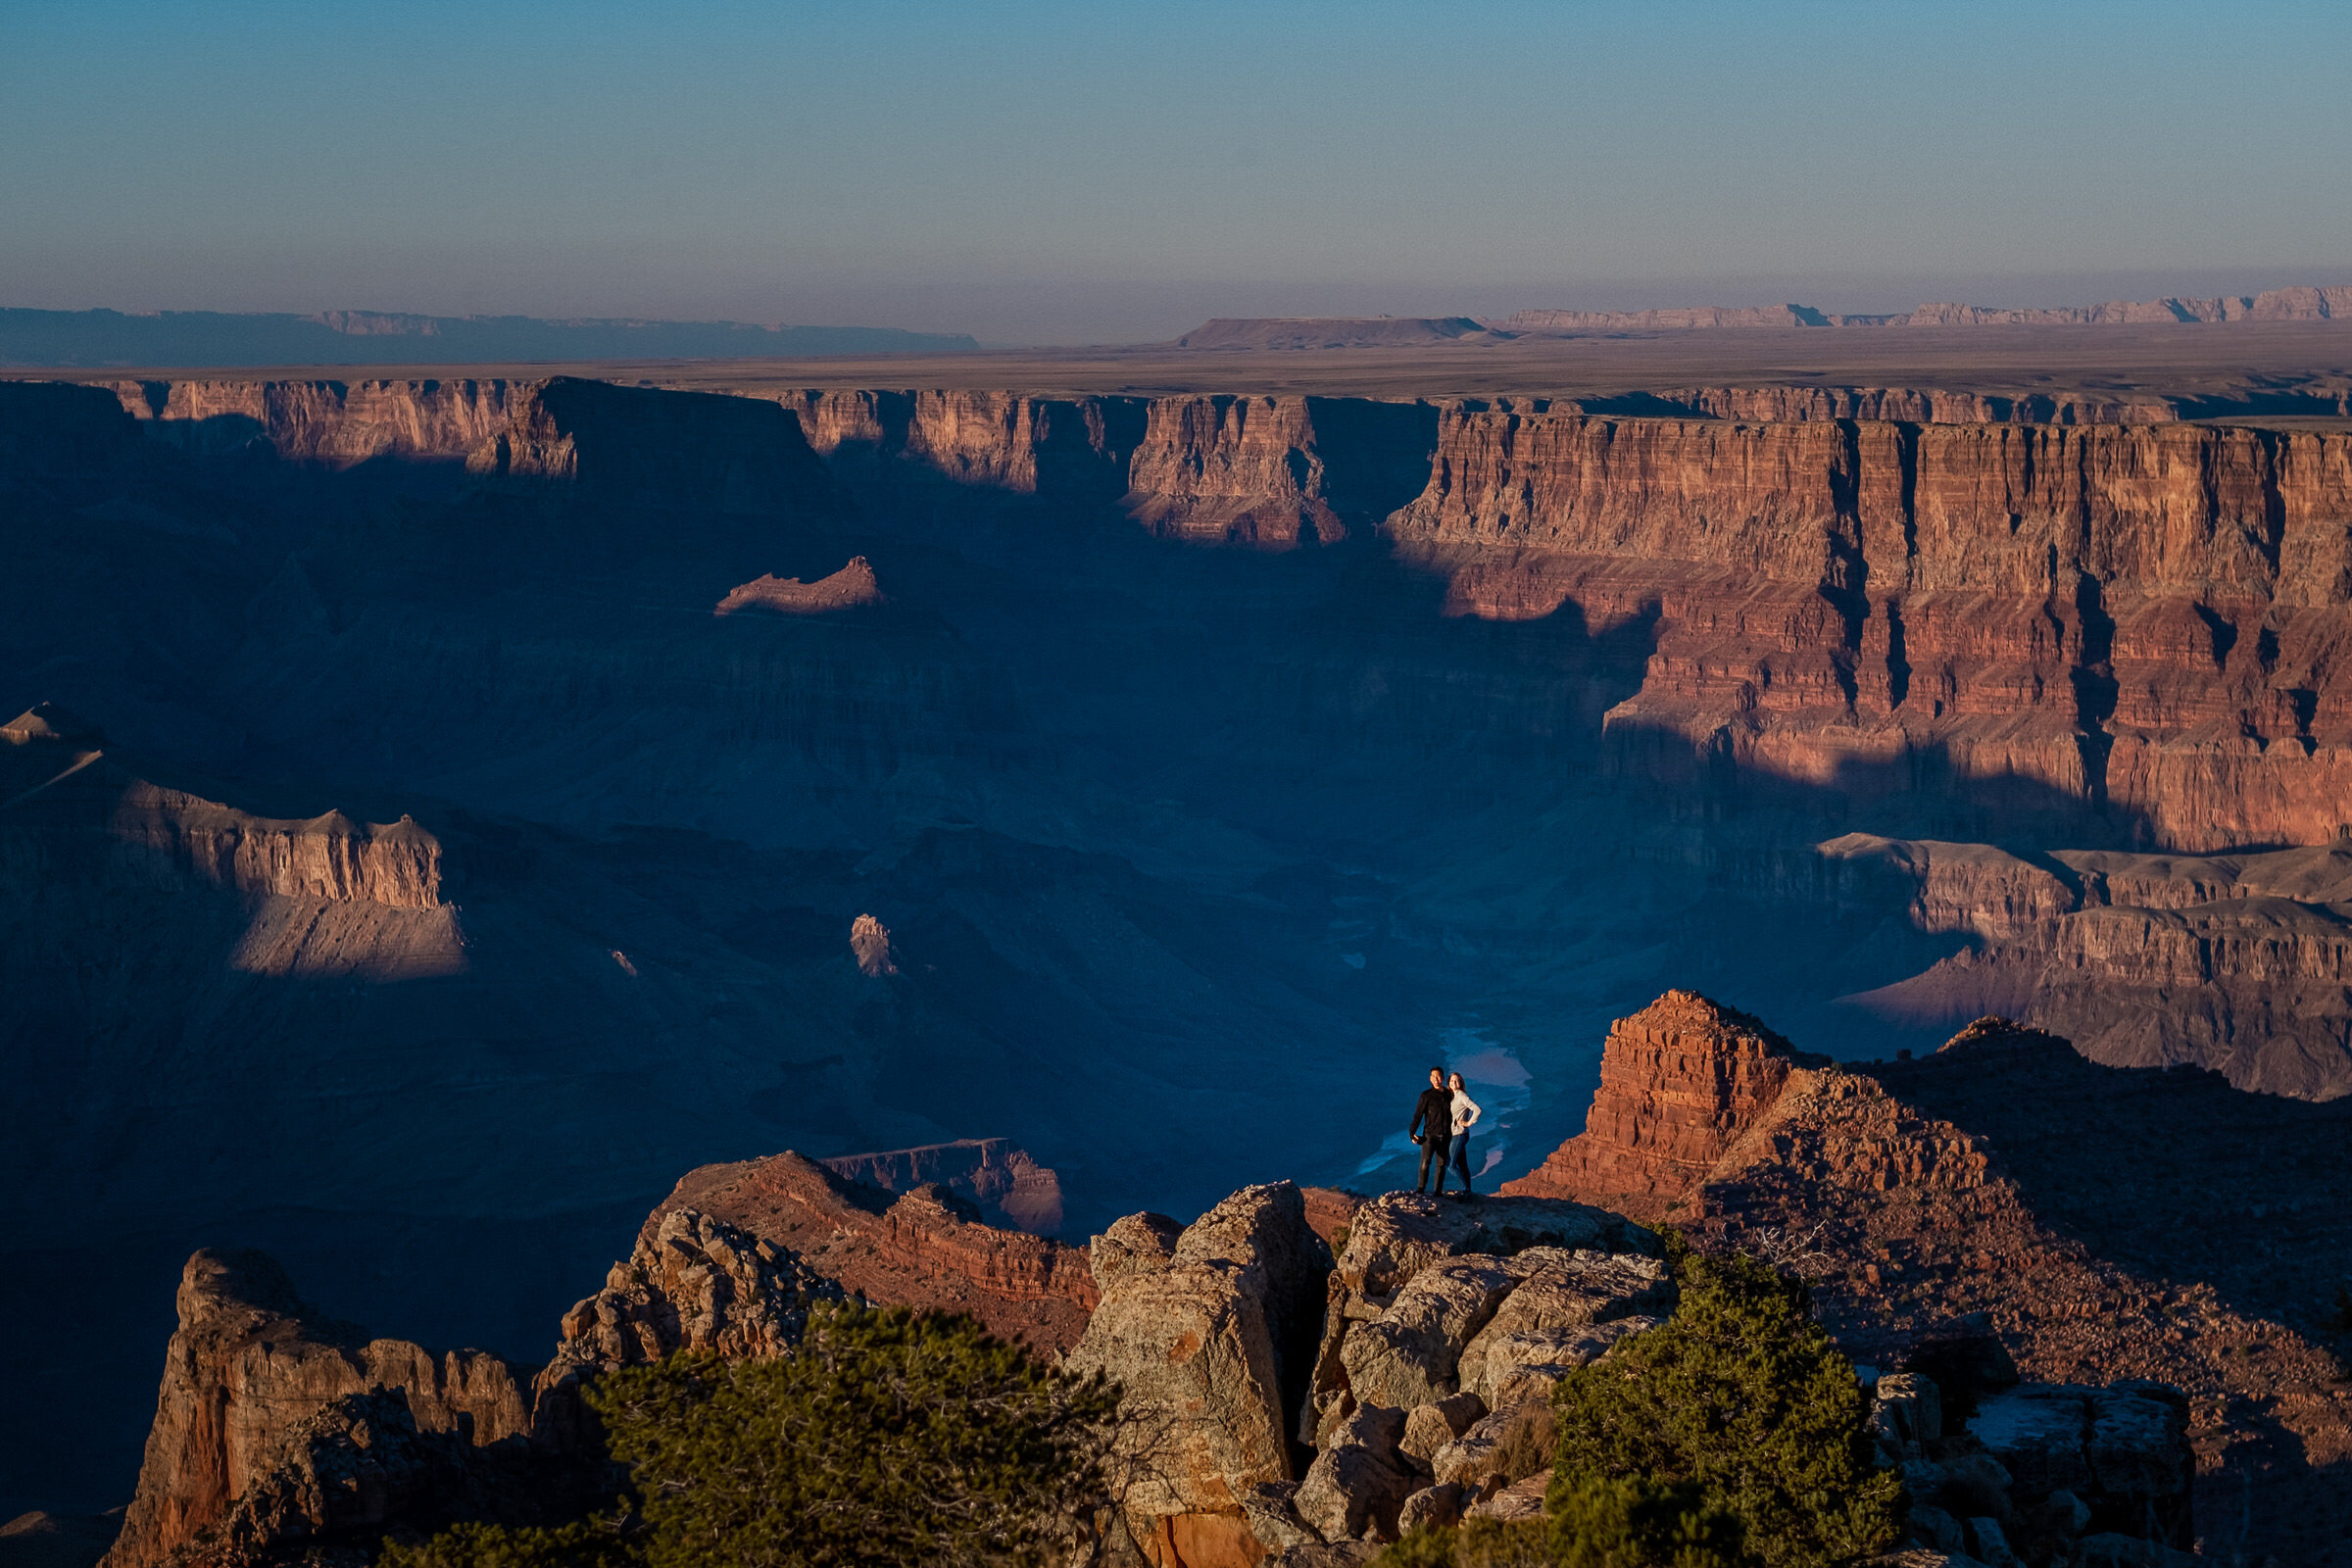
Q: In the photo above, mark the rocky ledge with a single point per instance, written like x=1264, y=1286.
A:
x=1308, y=1374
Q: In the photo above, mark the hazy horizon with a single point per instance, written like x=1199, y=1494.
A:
x=1055, y=176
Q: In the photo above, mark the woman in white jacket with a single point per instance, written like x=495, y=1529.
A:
x=1466, y=1117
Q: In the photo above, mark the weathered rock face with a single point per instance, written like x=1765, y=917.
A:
x=2137, y=959
x=1074, y=448
x=1782, y=405
x=1006, y=1185
x=1212, y=1338
x=927, y=1248
x=334, y=423
x=639, y=447
x=696, y=1284
x=257, y=1396
x=1452, y=1322
x=587, y=438
x=54, y=770
x=1681, y=1080
x=1274, y=473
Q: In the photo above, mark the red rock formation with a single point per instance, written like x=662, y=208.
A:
x=1000, y=441
x=248, y=1364
x=850, y=587
x=2109, y=1224
x=333, y=422
x=1681, y=1080
x=1003, y=1182
x=2135, y=619
x=1329, y=1212
x=1243, y=470
x=64, y=786
x=918, y=1250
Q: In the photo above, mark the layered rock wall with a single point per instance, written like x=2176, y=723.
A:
x=335, y=422
x=2135, y=621
x=1681, y=1080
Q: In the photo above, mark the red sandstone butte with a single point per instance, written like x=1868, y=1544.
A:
x=922, y=1249
x=1680, y=1082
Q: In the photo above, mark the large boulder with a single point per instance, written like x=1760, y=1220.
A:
x=1501, y=1449
x=1515, y=1368
x=1432, y=1426
x=1549, y=1316
x=2123, y=1451
x=696, y=1284
x=1407, y=1357
x=1211, y=1334
x=1358, y=1482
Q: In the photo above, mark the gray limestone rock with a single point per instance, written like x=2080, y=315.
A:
x=1430, y=1427
x=1439, y=1507
x=1408, y=1355
x=1351, y=1491
x=1521, y=1500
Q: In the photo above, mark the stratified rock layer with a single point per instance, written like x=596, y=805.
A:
x=1680, y=1082
x=2121, y=617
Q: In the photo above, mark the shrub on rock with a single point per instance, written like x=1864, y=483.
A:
x=1742, y=1402
x=888, y=1437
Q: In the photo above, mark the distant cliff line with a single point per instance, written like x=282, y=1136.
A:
x=2304, y=304
x=99, y=339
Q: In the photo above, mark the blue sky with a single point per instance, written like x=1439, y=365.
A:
x=1046, y=173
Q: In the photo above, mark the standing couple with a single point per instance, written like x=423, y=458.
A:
x=1442, y=1121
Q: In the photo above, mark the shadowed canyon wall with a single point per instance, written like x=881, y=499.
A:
x=487, y=779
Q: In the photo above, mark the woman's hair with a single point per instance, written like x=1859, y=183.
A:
x=1455, y=1080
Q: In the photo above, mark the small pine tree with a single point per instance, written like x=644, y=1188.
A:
x=1598, y=1522
x=1742, y=1398
x=887, y=1438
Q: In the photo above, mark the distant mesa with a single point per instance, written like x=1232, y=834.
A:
x=1330, y=332
x=1410, y=332
x=2272, y=305
x=853, y=585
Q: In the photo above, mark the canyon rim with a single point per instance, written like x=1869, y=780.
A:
x=447, y=809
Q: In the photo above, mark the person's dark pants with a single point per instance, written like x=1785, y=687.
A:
x=1461, y=1159
x=1433, y=1148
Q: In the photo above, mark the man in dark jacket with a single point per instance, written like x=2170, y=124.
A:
x=1432, y=1127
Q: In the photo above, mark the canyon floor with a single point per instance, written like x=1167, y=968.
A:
x=412, y=870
